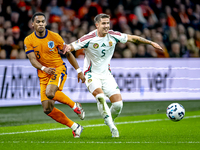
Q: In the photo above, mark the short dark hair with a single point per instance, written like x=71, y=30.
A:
x=38, y=14
x=98, y=17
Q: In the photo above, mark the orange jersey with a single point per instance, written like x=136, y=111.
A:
x=45, y=48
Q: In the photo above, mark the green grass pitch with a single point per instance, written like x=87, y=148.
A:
x=142, y=126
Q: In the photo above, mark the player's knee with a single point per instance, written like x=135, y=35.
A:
x=48, y=110
x=50, y=95
x=118, y=106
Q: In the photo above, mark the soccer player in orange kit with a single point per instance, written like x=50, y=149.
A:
x=42, y=47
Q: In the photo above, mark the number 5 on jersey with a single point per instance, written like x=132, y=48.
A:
x=103, y=53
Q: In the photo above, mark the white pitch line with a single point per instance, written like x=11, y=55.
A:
x=93, y=142
x=96, y=125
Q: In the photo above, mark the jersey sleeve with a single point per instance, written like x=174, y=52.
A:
x=28, y=46
x=83, y=42
x=59, y=41
x=118, y=36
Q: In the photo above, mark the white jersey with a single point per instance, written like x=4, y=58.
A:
x=99, y=51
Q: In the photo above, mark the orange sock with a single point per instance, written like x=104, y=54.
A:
x=60, y=117
x=61, y=97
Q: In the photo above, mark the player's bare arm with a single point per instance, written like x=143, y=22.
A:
x=68, y=48
x=138, y=40
x=36, y=64
x=73, y=62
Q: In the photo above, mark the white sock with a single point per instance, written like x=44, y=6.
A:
x=116, y=109
x=74, y=126
x=74, y=106
x=104, y=110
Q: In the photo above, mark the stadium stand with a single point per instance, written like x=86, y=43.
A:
x=173, y=24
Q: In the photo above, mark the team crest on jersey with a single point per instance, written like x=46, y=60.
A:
x=96, y=45
x=110, y=43
x=90, y=80
x=50, y=44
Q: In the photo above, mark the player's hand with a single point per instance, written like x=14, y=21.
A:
x=157, y=47
x=66, y=49
x=50, y=71
x=81, y=76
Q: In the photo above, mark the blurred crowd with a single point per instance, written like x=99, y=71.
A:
x=173, y=24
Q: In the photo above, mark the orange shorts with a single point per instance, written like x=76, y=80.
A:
x=58, y=79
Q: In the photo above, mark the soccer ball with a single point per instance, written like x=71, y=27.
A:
x=175, y=112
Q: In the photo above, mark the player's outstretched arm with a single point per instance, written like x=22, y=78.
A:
x=37, y=65
x=73, y=62
x=138, y=40
x=67, y=48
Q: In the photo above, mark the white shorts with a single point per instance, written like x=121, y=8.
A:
x=108, y=84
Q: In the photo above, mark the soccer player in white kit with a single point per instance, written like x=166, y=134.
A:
x=99, y=47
